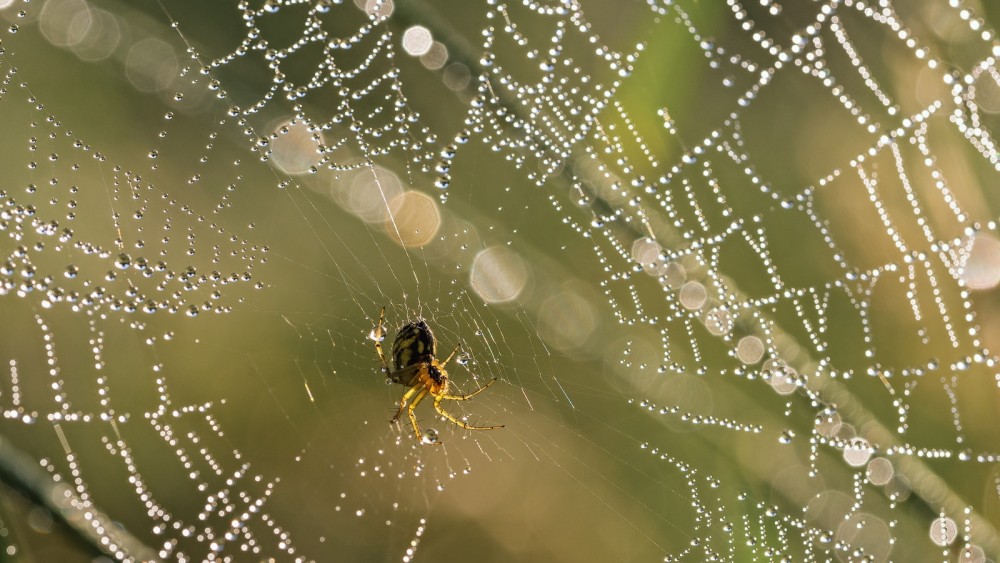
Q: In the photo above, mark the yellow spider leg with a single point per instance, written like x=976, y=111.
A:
x=451, y=417
x=450, y=356
x=470, y=395
x=378, y=336
x=402, y=402
x=413, y=417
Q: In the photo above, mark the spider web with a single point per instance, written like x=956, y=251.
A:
x=731, y=265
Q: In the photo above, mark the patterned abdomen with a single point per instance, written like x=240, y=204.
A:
x=414, y=344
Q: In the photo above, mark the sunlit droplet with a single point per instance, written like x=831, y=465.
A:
x=981, y=270
x=417, y=40
x=750, y=350
x=943, y=531
x=498, y=275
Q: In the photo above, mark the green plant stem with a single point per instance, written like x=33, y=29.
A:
x=22, y=473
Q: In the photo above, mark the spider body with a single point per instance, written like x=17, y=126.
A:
x=414, y=344
x=413, y=357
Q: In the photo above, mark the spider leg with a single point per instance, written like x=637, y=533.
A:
x=468, y=396
x=452, y=355
x=402, y=402
x=377, y=335
x=451, y=417
x=413, y=417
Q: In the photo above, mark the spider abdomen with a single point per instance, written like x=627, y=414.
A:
x=414, y=344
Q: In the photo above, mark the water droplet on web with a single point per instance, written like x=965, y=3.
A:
x=750, y=350
x=981, y=267
x=417, y=40
x=880, y=471
x=857, y=452
x=718, y=321
x=693, y=295
x=430, y=436
x=943, y=531
x=972, y=554
x=498, y=274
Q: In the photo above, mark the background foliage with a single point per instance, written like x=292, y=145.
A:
x=733, y=266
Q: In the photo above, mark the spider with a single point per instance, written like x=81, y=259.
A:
x=413, y=356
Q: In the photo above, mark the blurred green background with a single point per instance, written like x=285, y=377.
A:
x=246, y=416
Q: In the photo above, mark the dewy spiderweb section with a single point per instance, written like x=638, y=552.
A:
x=732, y=265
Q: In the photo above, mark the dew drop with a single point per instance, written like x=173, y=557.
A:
x=430, y=436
